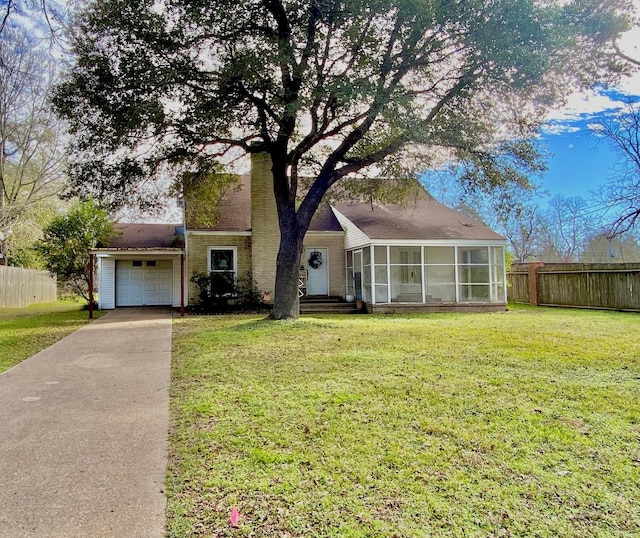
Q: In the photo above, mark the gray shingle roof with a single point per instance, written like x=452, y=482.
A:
x=234, y=210
x=235, y=213
x=146, y=236
x=422, y=218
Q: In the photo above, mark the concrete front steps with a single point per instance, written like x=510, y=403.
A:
x=326, y=304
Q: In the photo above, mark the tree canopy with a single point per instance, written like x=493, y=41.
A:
x=329, y=88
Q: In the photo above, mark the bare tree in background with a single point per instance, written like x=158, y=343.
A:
x=567, y=227
x=523, y=229
x=31, y=136
x=52, y=13
x=621, y=194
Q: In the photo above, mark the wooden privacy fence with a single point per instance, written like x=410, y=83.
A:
x=22, y=287
x=612, y=286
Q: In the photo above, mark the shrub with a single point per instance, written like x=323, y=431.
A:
x=221, y=292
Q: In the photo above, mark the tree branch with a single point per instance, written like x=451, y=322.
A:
x=624, y=56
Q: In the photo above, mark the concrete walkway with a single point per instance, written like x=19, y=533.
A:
x=83, y=432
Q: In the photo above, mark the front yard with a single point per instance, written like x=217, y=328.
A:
x=524, y=423
x=25, y=331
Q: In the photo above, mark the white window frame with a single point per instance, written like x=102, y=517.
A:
x=235, y=261
x=495, y=266
x=465, y=263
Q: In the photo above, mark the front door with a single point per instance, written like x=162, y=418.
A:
x=317, y=274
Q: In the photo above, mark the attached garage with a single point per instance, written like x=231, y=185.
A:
x=144, y=282
x=142, y=267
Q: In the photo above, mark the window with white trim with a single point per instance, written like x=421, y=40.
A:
x=222, y=260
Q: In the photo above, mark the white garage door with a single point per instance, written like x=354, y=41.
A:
x=143, y=282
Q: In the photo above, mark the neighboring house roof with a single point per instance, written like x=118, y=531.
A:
x=422, y=218
x=147, y=236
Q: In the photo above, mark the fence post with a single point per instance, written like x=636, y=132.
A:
x=533, y=268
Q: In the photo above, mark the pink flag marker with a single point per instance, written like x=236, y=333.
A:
x=234, y=519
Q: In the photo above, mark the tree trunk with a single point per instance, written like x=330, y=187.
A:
x=286, y=302
x=293, y=227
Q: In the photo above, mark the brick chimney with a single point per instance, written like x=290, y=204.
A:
x=265, y=232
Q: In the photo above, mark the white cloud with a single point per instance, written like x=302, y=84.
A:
x=580, y=106
x=629, y=41
x=556, y=128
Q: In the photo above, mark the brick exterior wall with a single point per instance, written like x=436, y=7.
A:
x=258, y=252
x=265, y=232
x=197, y=249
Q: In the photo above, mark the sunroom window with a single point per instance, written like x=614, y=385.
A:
x=366, y=274
x=498, y=288
x=473, y=274
x=406, y=274
x=427, y=274
x=440, y=274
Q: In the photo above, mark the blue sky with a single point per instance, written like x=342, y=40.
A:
x=579, y=161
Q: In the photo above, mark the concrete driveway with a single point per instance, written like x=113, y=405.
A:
x=83, y=432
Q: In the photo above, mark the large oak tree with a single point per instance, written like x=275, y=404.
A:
x=329, y=88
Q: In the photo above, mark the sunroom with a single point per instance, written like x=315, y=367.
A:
x=421, y=256
x=433, y=274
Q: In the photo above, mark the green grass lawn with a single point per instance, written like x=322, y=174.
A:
x=523, y=423
x=25, y=331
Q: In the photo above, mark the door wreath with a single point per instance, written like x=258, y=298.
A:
x=315, y=259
